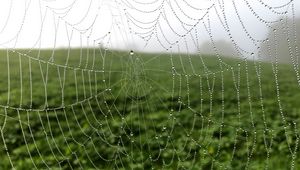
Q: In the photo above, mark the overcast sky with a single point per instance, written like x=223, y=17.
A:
x=152, y=25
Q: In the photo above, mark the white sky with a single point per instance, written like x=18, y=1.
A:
x=75, y=23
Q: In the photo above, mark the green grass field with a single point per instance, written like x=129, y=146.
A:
x=91, y=108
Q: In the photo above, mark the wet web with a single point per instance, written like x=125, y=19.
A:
x=91, y=95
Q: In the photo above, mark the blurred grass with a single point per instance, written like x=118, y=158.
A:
x=112, y=110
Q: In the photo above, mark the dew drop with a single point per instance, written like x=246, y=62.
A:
x=131, y=52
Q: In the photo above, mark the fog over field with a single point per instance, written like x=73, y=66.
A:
x=32, y=24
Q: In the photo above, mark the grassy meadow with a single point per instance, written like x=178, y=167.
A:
x=103, y=109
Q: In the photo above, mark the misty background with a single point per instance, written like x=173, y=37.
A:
x=229, y=28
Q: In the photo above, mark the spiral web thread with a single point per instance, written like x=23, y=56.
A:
x=90, y=106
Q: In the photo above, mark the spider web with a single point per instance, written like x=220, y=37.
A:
x=83, y=89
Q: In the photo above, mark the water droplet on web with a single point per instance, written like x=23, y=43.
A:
x=131, y=134
x=131, y=52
